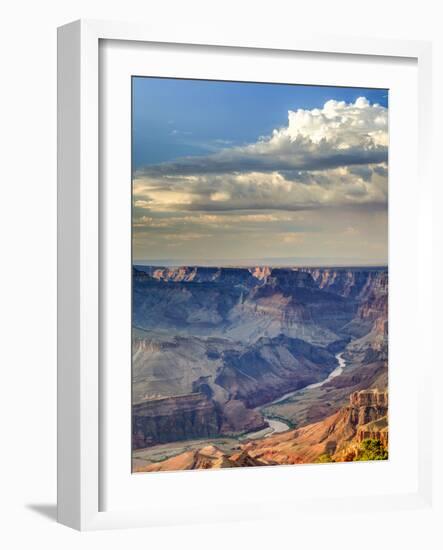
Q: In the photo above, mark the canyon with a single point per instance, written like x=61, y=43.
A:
x=337, y=438
x=222, y=353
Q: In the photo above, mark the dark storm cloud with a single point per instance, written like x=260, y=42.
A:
x=240, y=161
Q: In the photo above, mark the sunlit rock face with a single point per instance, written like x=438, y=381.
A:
x=337, y=438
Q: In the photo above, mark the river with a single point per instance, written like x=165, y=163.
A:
x=278, y=426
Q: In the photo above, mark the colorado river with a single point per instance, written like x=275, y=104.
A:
x=278, y=426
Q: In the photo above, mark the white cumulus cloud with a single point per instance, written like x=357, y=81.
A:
x=335, y=156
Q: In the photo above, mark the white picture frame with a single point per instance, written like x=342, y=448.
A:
x=80, y=367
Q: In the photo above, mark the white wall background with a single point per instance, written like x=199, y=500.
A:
x=28, y=268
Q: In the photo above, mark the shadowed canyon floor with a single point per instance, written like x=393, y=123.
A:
x=237, y=367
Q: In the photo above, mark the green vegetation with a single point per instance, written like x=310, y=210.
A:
x=324, y=459
x=371, y=449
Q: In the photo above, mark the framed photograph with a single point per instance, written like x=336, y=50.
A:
x=238, y=232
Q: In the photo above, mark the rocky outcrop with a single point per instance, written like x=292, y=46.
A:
x=364, y=417
x=350, y=282
x=336, y=438
x=191, y=416
x=378, y=429
x=261, y=272
x=368, y=400
x=238, y=418
x=366, y=409
x=174, y=419
x=374, y=303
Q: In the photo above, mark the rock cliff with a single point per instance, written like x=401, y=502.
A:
x=174, y=418
x=364, y=417
x=190, y=416
x=207, y=458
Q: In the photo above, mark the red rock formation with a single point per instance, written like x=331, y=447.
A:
x=364, y=417
x=261, y=272
x=209, y=457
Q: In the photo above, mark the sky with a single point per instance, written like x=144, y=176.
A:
x=231, y=173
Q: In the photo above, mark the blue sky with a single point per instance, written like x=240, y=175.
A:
x=234, y=173
x=174, y=118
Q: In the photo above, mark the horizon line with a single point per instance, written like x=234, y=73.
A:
x=143, y=263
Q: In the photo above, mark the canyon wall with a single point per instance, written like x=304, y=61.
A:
x=337, y=438
x=212, y=344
